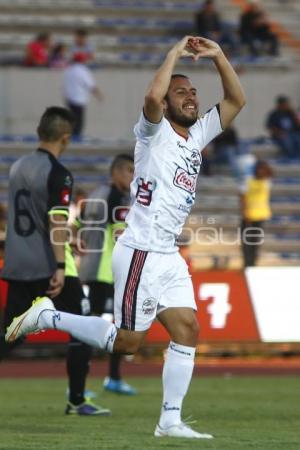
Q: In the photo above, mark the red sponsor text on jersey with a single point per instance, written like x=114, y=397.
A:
x=185, y=181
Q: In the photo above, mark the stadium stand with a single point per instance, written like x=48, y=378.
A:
x=137, y=33
x=128, y=32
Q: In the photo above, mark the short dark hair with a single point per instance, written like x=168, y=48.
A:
x=120, y=160
x=42, y=37
x=55, y=122
x=178, y=75
x=81, y=32
x=282, y=99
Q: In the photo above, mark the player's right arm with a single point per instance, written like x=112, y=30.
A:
x=58, y=236
x=158, y=88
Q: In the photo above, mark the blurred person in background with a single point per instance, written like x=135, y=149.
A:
x=82, y=45
x=38, y=259
x=38, y=51
x=107, y=205
x=226, y=146
x=255, y=210
x=3, y=217
x=283, y=124
x=255, y=30
x=208, y=24
x=58, y=57
x=76, y=204
x=3, y=223
x=229, y=149
x=78, y=84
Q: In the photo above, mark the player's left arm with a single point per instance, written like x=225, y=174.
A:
x=234, y=97
x=60, y=183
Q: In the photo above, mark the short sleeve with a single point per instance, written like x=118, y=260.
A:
x=210, y=125
x=145, y=129
x=60, y=183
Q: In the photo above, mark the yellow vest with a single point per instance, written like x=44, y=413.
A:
x=257, y=199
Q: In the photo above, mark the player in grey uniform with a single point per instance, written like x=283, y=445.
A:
x=37, y=260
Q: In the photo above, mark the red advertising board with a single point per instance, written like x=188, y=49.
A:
x=224, y=308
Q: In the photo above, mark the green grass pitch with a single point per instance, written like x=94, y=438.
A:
x=259, y=413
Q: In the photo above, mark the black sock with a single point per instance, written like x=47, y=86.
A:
x=114, y=366
x=78, y=358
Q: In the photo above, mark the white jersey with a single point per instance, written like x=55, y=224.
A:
x=164, y=185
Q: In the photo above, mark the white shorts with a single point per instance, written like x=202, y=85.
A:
x=147, y=283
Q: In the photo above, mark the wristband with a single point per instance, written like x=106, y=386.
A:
x=60, y=265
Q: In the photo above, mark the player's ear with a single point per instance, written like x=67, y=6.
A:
x=66, y=138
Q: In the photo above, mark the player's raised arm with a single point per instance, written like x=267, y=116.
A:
x=157, y=90
x=234, y=97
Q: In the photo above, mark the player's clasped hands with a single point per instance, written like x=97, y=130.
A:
x=198, y=47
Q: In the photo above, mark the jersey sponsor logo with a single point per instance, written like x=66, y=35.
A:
x=185, y=180
x=68, y=181
x=191, y=158
x=189, y=200
x=144, y=191
x=186, y=209
x=65, y=197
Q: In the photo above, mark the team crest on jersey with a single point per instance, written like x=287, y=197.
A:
x=149, y=306
x=186, y=174
x=144, y=191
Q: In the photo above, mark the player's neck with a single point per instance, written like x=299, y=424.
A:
x=52, y=147
x=182, y=131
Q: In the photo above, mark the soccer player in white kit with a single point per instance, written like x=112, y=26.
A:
x=151, y=278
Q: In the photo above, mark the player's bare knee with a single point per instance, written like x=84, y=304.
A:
x=187, y=332
x=127, y=342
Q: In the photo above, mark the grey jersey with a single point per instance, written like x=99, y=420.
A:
x=38, y=186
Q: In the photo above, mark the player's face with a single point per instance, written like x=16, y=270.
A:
x=124, y=176
x=182, y=105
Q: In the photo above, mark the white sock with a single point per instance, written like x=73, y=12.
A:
x=91, y=330
x=176, y=377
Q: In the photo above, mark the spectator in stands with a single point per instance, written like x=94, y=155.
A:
x=255, y=210
x=209, y=25
x=255, y=30
x=229, y=149
x=78, y=84
x=58, y=58
x=226, y=146
x=81, y=45
x=284, y=126
x=37, y=51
